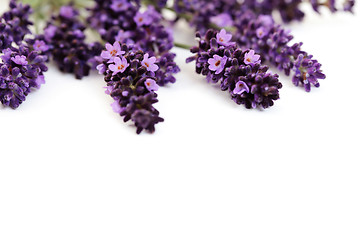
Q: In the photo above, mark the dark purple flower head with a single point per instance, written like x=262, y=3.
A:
x=132, y=85
x=65, y=36
x=238, y=71
x=272, y=42
x=21, y=70
x=143, y=30
x=14, y=24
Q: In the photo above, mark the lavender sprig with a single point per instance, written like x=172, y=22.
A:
x=123, y=21
x=65, y=34
x=22, y=63
x=239, y=72
x=269, y=39
x=131, y=82
x=14, y=24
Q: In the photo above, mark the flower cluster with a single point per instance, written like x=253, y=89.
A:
x=65, y=35
x=22, y=63
x=14, y=24
x=269, y=39
x=123, y=21
x=131, y=81
x=239, y=72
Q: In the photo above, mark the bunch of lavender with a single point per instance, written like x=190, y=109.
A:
x=22, y=64
x=123, y=21
x=269, y=39
x=14, y=24
x=65, y=35
x=131, y=81
x=239, y=72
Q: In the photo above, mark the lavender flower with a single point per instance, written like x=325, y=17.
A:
x=120, y=65
x=251, y=58
x=273, y=45
x=65, y=34
x=112, y=51
x=224, y=38
x=149, y=63
x=217, y=63
x=151, y=85
x=144, y=31
x=14, y=24
x=22, y=64
x=21, y=70
x=133, y=88
x=248, y=84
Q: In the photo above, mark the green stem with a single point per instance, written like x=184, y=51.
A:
x=181, y=45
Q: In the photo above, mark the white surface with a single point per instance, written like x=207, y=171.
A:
x=71, y=169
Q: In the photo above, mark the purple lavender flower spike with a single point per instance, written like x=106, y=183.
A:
x=132, y=88
x=273, y=46
x=217, y=63
x=151, y=85
x=251, y=58
x=149, y=63
x=248, y=84
x=65, y=36
x=146, y=31
x=120, y=65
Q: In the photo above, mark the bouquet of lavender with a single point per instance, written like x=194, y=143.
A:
x=130, y=43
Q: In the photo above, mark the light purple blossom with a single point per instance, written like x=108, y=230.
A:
x=217, y=63
x=124, y=37
x=224, y=38
x=241, y=87
x=266, y=20
x=109, y=89
x=116, y=107
x=119, y=5
x=20, y=60
x=67, y=12
x=251, y=58
x=149, y=63
x=262, y=32
x=40, y=46
x=222, y=20
x=39, y=80
x=120, y=65
x=101, y=68
x=49, y=32
x=112, y=51
x=151, y=85
x=142, y=19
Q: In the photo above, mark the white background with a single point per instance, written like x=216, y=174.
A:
x=71, y=169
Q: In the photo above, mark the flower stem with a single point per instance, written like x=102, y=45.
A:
x=181, y=45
